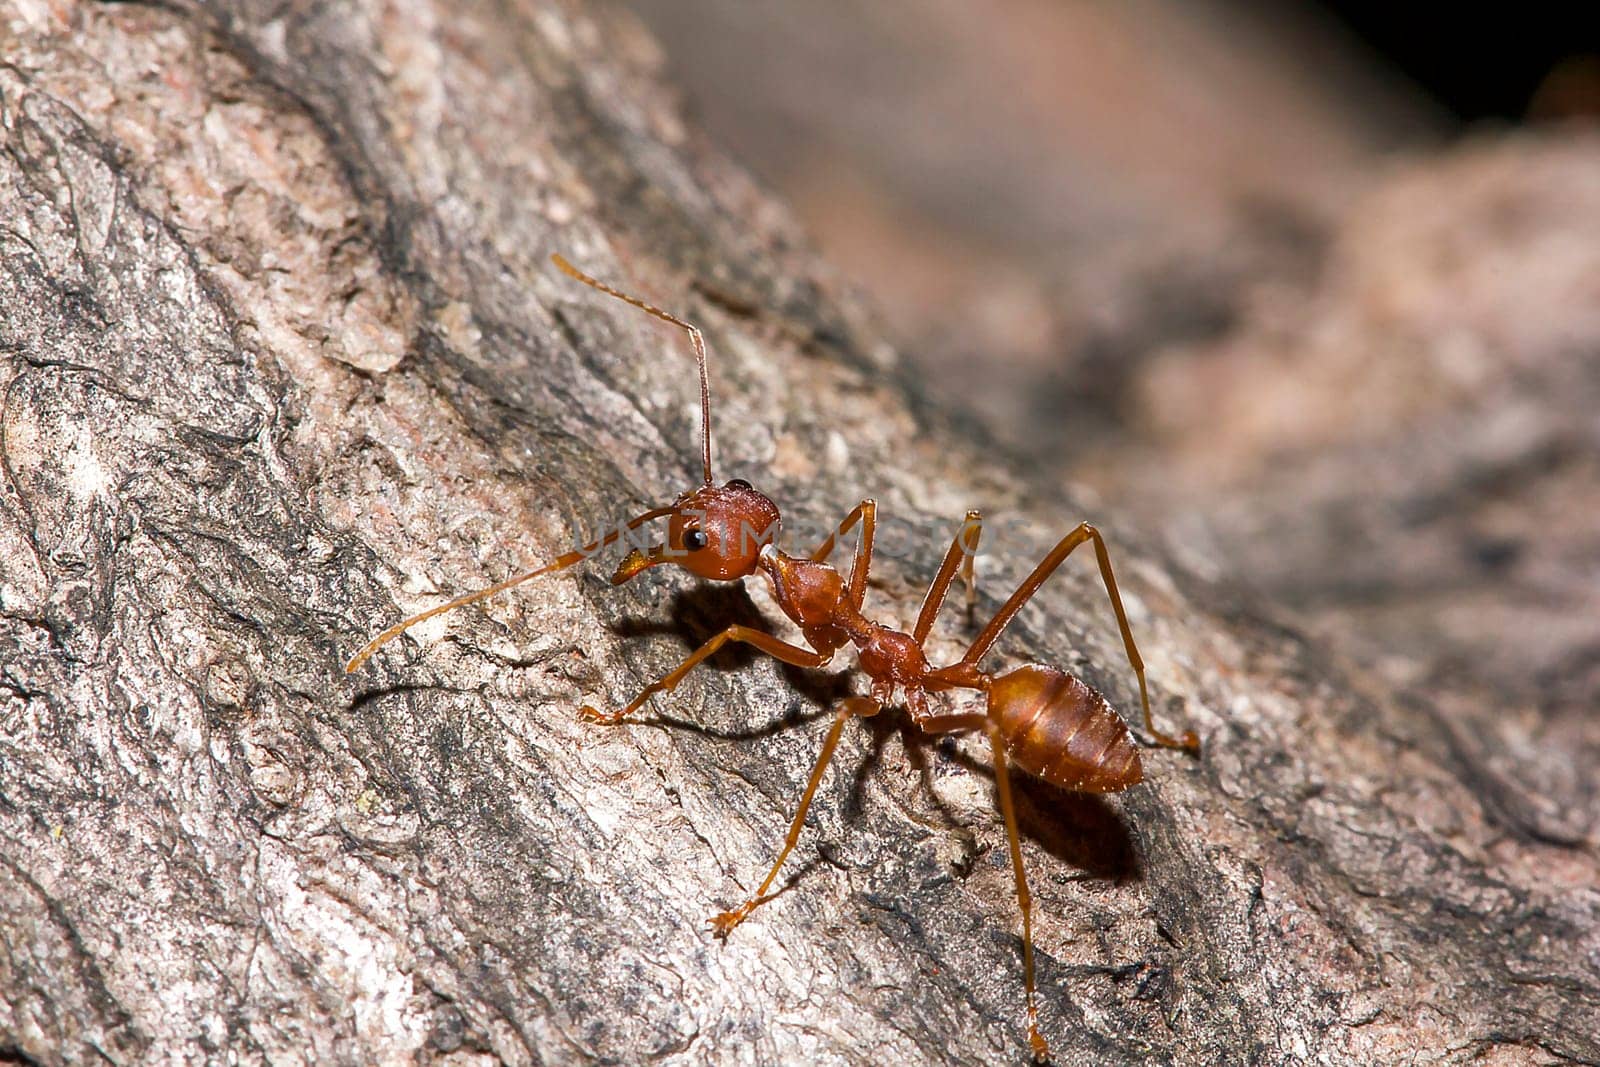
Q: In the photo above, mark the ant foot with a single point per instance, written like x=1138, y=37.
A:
x=723, y=924
x=1041, y=1048
x=604, y=718
x=1190, y=742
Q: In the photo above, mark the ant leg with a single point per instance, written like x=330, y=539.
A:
x=772, y=646
x=1008, y=812
x=954, y=723
x=866, y=513
x=962, y=550
x=1047, y=566
x=847, y=708
x=969, y=576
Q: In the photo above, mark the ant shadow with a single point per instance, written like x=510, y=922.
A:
x=1080, y=829
x=703, y=611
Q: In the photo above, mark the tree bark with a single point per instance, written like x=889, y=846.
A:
x=283, y=360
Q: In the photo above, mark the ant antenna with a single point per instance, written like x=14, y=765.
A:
x=694, y=338
x=577, y=555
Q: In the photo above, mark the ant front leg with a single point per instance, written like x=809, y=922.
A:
x=1047, y=566
x=765, y=642
x=963, y=550
x=865, y=707
x=866, y=513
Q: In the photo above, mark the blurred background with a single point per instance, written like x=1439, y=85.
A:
x=1310, y=289
x=1011, y=180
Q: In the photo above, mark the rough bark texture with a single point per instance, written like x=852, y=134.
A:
x=282, y=359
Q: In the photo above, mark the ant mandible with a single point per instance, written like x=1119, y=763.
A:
x=1043, y=720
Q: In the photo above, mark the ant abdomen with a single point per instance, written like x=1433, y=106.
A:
x=1059, y=729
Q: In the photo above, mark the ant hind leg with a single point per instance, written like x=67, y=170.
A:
x=1047, y=566
x=1008, y=811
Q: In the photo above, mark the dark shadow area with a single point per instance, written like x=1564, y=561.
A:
x=696, y=612
x=1081, y=829
x=795, y=717
x=1493, y=62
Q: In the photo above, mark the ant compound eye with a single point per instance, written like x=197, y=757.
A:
x=695, y=540
x=740, y=483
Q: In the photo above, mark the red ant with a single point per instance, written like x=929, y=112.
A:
x=1044, y=720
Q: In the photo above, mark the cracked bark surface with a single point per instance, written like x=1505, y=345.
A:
x=282, y=360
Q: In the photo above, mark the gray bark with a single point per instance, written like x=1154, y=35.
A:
x=282, y=359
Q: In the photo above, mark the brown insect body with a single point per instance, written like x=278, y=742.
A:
x=1043, y=720
x=1054, y=726
x=1059, y=729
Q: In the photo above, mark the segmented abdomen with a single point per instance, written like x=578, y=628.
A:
x=1059, y=729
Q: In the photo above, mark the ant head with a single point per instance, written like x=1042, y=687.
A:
x=714, y=532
